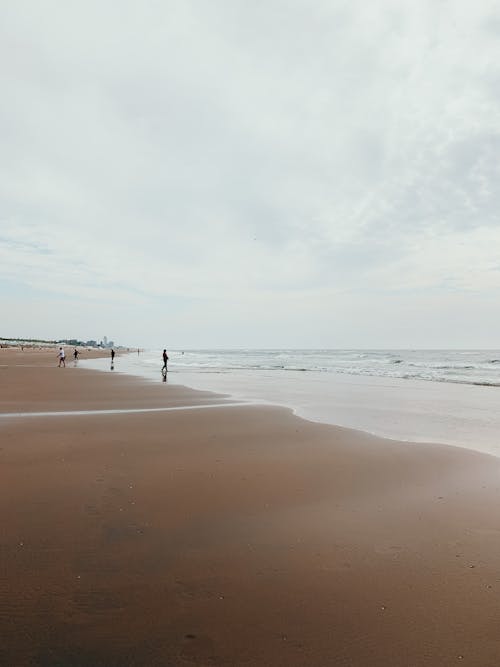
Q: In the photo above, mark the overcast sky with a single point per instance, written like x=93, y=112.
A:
x=229, y=173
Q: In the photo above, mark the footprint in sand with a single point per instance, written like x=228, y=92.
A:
x=393, y=550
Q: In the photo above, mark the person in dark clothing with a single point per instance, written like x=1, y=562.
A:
x=112, y=356
x=165, y=359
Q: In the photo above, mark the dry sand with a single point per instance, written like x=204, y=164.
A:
x=233, y=536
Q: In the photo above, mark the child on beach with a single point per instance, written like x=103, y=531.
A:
x=62, y=358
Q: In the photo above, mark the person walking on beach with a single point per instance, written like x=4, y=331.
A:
x=165, y=359
x=112, y=355
x=75, y=354
x=62, y=358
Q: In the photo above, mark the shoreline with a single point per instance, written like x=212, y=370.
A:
x=213, y=394
x=413, y=411
x=242, y=535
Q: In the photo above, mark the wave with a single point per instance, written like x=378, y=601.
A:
x=473, y=367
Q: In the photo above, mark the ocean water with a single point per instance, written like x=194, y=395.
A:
x=479, y=367
x=443, y=396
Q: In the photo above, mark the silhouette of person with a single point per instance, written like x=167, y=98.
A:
x=62, y=358
x=165, y=359
x=75, y=354
x=112, y=356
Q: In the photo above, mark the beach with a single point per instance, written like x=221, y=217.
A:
x=453, y=400
x=207, y=532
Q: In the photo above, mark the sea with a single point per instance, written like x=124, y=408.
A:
x=441, y=396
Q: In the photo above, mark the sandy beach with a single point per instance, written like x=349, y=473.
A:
x=232, y=535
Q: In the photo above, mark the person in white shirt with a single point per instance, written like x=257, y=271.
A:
x=62, y=358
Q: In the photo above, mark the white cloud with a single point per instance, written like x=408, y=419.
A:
x=268, y=158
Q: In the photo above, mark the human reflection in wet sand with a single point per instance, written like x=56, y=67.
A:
x=112, y=366
x=164, y=374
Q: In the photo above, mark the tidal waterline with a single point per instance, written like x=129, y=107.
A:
x=416, y=410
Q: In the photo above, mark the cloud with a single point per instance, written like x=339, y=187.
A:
x=189, y=153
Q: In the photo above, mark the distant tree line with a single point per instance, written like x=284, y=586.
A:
x=64, y=341
x=27, y=340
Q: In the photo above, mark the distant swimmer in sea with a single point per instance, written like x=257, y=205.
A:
x=165, y=359
x=62, y=357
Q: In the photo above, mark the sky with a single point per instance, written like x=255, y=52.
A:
x=308, y=173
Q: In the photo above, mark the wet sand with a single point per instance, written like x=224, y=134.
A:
x=233, y=536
